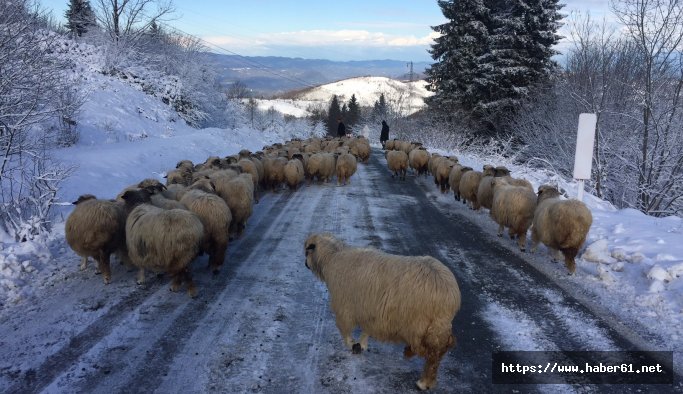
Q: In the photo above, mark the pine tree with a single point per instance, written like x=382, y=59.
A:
x=379, y=109
x=333, y=114
x=462, y=41
x=522, y=35
x=353, y=114
x=79, y=17
x=491, y=54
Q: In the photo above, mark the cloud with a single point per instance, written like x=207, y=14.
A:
x=314, y=38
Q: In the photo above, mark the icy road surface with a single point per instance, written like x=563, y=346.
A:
x=264, y=323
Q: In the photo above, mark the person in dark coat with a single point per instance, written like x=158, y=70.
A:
x=384, y=135
x=341, y=128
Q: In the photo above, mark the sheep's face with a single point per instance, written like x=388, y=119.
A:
x=83, y=198
x=546, y=191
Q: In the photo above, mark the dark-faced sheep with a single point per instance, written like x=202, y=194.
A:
x=405, y=299
x=485, y=189
x=96, y=228
x=162, y=240
x=398, y=163
x=560, y=224
x=346, y=167
x=216, y=218
x=513, y=207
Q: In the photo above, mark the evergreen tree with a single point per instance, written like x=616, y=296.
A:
x=353, y=115
x=522, y=35
x=379, y=109
x=333, y=114
x=491, y=54
x=79, y=17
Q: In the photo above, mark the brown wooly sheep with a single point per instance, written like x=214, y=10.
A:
x=469, y=185
x=216, y=218
x=327, y=168
x=405, y=299
x=503, y=172
x=274, y=172
x=162, y=240
x=419, y=160
x=398, y=163
x=174, y=192
x=249, y=167
x=346, y=167
x=313, y=165
x=360, y=148
x=180, y=176
x=454, y=179
x=96, y=228
x=560, y=224
x=294, y=172
x=238, y=194
x=485, y=190
x=390, y=144
x=433, y=162
x=513, y=207
x=443, y=171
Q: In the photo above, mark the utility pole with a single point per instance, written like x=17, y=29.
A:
x=410, y=85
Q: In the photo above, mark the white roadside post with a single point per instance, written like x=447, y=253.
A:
x=583, y=159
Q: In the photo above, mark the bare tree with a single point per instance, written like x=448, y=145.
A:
x=656, y=28
x=128, y=19
x=238, y=90
x=31, y=88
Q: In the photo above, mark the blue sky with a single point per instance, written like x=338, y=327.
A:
x=340, y=30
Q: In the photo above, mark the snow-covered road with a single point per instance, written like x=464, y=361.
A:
x=264, y=325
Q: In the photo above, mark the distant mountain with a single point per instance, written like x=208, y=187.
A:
x=403, y=97
x=272, y=75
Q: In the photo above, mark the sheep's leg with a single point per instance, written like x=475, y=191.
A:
x=103, y=266
x=364, y=341
x=141, y=276
x=569, y=259
x=177, y=281
x=84, y=263
x=191, y=288
x=501, y=228
x=408, y=352
x=216, y=258
x=433, y=359
x=345, y=329
x=521, y=241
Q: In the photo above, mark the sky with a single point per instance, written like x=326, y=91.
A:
x=317, y=29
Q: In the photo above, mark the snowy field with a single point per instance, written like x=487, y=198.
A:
x=632, y=264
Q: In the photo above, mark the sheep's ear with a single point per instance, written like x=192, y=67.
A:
x=311, y=247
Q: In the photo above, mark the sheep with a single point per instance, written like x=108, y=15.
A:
x=442, y=172
x=96, y=228
x=407, y=299
x=294, y=173
x=513, y=207
x=238, y=194
x=454, y=179
x=560, y=224
x=274, y=172
x=249, y=167
x=360, y=147
x=346, y=167
x=397, y=162
x=390, y=144
x=216, y=218
x=162, y=240
x=485, y=188
x=181, y=176
x=433, y=161
x=419, y=160
x=469, y=185
x=185, y=164
x=327, y=168
x=174, y=192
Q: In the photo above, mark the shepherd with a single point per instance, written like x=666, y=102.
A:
x=384, y=135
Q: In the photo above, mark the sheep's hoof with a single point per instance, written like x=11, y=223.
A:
x=422, y=385
x=356, y=349
x=174, y=287
x=192, y=292
x=216, y=271
x=522, y=249
x=500, y=234
x=408, y=352
x=107, y=280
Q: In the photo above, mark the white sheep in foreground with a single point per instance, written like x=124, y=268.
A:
x=406, y=299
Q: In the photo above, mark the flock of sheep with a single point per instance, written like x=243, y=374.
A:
x=562, y=225
x=407, y=299
x=163, y=228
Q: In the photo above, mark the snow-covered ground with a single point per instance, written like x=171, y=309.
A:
x=632, y=263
